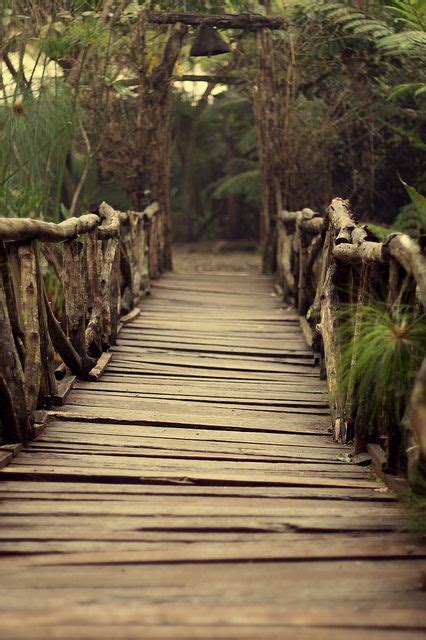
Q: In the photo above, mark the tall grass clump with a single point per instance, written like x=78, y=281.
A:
x=36, y=134
x=379, y=361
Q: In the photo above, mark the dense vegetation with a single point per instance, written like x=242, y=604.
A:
x=349, y=76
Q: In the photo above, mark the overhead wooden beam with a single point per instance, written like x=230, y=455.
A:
x=246, y=21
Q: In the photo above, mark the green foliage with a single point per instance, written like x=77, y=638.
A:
x=215, y=159
x=66, y=37
x=391, y=39
x=412, y=217
x=371, y=66
x=406, y=43
x=409, y=12
x=36, y=137
x=415, y=505
x=419, y=201
x=382, y=360
x=417, y=89
x=245, y=184
x=379, y=231
x=379, y=31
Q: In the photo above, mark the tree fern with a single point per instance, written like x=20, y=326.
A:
x=406, y=43
x=412, y=13
x=382, y=33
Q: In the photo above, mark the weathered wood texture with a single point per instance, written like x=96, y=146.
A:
x=102, y=262
x=266, y=111
x=324, y=265
x=153, y=137
x=246, y=21
x=194, y=491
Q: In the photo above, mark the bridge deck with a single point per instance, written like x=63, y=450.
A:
x=194, y=491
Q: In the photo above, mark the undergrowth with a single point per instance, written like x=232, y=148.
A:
x=381, y=361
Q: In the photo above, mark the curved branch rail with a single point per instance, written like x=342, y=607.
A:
x=103, y=261
x=326, y=262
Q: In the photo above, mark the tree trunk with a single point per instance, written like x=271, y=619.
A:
x=153, y=137
x=266, y=112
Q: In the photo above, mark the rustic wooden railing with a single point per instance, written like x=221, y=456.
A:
x=324, y=264
x=102, y=262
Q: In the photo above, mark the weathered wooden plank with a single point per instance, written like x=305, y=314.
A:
x=192, y=545
x=217, y=360
x=156, y=446
x=131, y=369
x=176, y=326
x=192, y=433
x=64, y=388
x=18, y=631
x=202, y=585
x=115, y=398
x=207, y=389
x=102, y=491
x=237, y=614
x=195, y=348
x=230, y=344
x=253, y=387
x=174, y=415
x=166, y=406
x=95, y=373
x=227, y=522
x=167, y=464
x=205, y=552
x=182, y=476
x=207, y=508
x=182, y=452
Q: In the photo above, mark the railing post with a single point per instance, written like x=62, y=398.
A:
x=75, y=306
x=31, y=324
x=94, y=269
x=14, y=414
x=49, y=386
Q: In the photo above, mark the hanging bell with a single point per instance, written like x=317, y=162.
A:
x=208, y=42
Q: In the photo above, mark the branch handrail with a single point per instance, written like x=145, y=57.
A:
x=325, y=261
x=103, y=262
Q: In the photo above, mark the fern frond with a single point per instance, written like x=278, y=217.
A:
x=416, y=88
x=245, y=185
x=350, y=22
x=412, y=13
x=412, y=43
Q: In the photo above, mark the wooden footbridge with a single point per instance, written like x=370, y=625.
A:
x=195, y=489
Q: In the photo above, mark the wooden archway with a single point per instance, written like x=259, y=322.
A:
x=153, y=131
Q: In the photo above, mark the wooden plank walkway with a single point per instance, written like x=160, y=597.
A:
x=194, y=491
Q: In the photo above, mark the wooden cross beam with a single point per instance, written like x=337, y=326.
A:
x=246, y=21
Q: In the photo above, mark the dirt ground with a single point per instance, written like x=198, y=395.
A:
x=216, y=256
